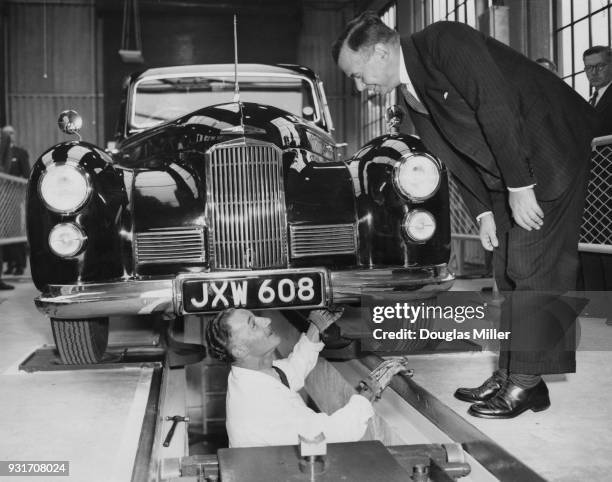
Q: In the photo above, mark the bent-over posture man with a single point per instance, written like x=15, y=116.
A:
x=517, y=138
x=263, y=406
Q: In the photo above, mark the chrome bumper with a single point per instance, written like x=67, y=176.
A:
x=144, y=297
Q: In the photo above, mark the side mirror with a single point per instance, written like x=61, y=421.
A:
x=70, y=122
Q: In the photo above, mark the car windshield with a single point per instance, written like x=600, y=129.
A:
x=158, y=100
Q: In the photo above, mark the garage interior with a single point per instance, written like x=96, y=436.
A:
x=109, y=421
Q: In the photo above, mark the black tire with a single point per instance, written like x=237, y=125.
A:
x=80, y=342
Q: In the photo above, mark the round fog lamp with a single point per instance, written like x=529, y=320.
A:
x=66, y=240
x=417, y=177
x=64, y=188
x=419, y=225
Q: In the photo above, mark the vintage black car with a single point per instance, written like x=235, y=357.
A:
x=223, y=193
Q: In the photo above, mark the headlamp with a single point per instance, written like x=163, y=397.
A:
x=417, y=176
x=419, y=225
x=64, y=188
x=66, y=240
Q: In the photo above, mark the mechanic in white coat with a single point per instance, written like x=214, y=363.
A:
x=263, y=406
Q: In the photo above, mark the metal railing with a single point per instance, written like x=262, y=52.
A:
x=596, y=229
x=12, y=209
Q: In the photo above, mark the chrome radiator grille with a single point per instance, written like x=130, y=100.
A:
x=321, y=240
x=246, y=207
x=170, y=245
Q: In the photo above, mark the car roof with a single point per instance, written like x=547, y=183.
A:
x=229, y=68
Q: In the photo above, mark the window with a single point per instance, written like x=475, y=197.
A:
x=579, y=24
x=463, y=11
x=374, y=106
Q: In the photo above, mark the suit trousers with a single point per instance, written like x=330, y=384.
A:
x=534, y=270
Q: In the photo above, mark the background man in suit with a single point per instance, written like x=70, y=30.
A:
x=16, y=162
x=547, y=64
x=598, y=69
x=596, y=267
x=517, y=138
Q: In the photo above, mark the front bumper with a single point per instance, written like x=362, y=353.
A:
x=144, y=297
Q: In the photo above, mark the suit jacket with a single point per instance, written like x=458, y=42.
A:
x=604, y=112
x=497, y=119
x=19, y=162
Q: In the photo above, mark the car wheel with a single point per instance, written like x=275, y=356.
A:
x=80, y=342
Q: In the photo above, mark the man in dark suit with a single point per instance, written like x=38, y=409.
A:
x=16, y=162
x=597, y=267
x=517, y=138
x=598, y=69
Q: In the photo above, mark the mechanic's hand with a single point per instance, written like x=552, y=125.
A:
x=525, y=209
x=381, y=376
x=326, y=317
x=488, y=232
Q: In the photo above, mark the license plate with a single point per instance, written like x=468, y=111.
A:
x=253, y=291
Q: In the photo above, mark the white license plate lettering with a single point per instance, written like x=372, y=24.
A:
x=219, y=295
x=306, y=290
x=239, y=293
x=286, y=290
x=266, y=293
x=199, y=304
x=260, y=292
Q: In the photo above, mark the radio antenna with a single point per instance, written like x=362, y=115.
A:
x=236, y=88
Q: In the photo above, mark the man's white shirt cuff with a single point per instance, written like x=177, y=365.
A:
x=522, y=188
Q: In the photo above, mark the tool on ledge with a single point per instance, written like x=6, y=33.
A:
x=175, y=420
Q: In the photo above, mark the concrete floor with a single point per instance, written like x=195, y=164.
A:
x=92, y=419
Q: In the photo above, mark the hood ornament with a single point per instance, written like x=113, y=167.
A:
x=395, y=116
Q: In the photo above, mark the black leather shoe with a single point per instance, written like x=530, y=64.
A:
x=5, y=286
x=513, y=400
x=484, y=392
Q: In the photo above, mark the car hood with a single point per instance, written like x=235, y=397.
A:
x=211, y=125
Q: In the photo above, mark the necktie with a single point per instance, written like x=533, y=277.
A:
x=593, y=99
x=282, y=376
x=412, y=101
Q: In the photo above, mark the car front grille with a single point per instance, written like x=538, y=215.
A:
x=170, y=245
x=246, y=207
x=322, y=240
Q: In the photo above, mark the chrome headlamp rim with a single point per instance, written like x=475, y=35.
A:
x=80, y=233
x=410, y=214
x=84, y=175
x=396, y=173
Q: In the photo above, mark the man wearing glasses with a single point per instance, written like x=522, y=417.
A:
x=597, y=67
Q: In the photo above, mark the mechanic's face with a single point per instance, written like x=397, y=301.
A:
x=372, y=68
x=598, y=70
x=253, y=333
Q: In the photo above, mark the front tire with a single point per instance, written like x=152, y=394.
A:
x=80, y=342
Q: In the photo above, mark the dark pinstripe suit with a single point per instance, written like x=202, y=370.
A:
x=604, y=112
x=499, y=120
